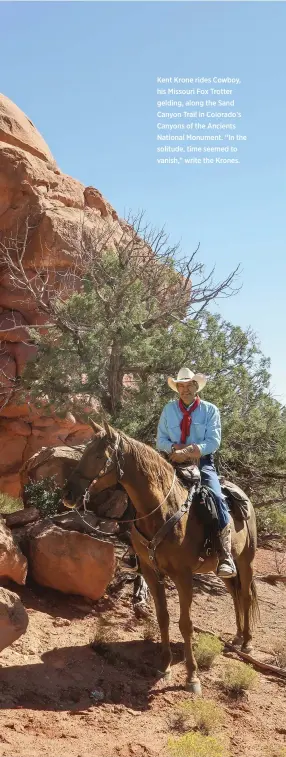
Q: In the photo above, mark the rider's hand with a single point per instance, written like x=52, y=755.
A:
x=185, y=454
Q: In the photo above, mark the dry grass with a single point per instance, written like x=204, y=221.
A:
x=280, y=653
x=206, y=649
x=203, y=714
x=10, y=504
x=196, y=745
x=239, y=678
x=105, y=633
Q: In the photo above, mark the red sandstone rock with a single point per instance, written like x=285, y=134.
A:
x=51, y=462
x=11, y=326
x=69, y=561
x=21, y=352
x=13, y=564
x=17, y=129
x=12, y=449
x=11, y=485
x=60, y=210
x=22, y=517
x=13, y=618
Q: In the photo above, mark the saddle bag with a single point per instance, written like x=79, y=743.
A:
x=237, y=500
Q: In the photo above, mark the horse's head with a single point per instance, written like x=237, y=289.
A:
x=99, y=465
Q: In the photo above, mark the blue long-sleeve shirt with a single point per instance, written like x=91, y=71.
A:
x=205, y=427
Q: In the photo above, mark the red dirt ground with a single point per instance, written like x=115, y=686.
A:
x=47, y=678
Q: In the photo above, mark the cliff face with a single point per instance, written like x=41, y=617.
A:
x=36, y=194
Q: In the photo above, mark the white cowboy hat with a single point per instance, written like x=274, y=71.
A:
x=185, y=375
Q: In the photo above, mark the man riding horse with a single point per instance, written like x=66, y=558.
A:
x=189, y=430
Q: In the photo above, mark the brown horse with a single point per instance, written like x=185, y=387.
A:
x=157, y=495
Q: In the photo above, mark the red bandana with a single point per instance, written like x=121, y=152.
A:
x=186, y=421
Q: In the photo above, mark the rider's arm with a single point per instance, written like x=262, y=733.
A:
x=212, y=438
x=164, y=443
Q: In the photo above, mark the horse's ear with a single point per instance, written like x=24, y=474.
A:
x=110, y=433
x=95, y=427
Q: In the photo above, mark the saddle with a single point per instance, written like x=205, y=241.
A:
x=237, y=501
x=203, y=503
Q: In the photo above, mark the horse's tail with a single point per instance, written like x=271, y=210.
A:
x=254, y=608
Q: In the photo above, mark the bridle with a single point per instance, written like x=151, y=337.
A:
x=118, y=453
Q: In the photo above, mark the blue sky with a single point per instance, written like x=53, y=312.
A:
x=85, y=73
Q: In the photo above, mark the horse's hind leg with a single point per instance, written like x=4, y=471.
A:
x=233, y=587
x=159, y=595
x=184, y=585
x=249, y=601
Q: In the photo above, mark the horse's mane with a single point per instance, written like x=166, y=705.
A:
x=149, y=461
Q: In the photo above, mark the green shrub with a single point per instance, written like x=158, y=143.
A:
x=204, y=714
x=206, y=649
x=45, y=495
x=196, y=745
x=9, y=504
x=239, y=677
x=271, y=519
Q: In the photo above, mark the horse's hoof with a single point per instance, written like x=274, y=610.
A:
x=247, y=648
x=194, y=687
x=166, y=674
x=237, y=642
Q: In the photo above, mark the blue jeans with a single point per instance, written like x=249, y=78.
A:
x=209, y=478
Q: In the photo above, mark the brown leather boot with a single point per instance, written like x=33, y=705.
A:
x=226, y=567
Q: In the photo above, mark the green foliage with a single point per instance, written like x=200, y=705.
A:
x=239, y=677
x=196, y=745
x=271, y=520
x=45, y=495
x=206, y=649
x=9, y=504
x=204, y=714
x=132, y=319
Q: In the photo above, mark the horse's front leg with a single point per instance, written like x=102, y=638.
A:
x=184, y=585
x=159, y=595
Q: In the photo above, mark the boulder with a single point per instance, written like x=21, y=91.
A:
x=72, y=562
x=85, y=523
x=57, y=462
x=21, y=517
x=13, y=564
x=13, y=618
